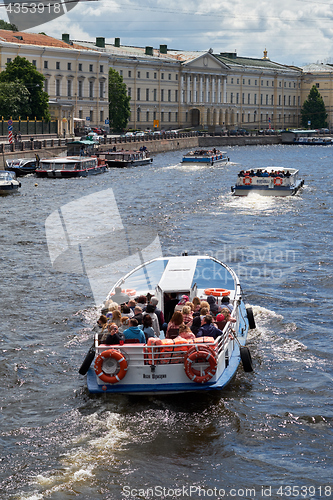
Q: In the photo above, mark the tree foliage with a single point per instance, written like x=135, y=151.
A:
x=21, y=70
x=314, y=110
x=119, y=108
x=14, y=100
x=6, y=26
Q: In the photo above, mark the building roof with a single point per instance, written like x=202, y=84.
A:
x=317, y=68
x=24, y=38
x=234, y=61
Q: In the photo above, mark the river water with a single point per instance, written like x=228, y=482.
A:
x=269, y=434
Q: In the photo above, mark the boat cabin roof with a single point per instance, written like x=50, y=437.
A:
x=274, y=169
x=67, y=159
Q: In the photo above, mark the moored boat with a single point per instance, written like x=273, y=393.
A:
x=8, y=182
x=123, y=158
x=70, y=166
x=205, y=157
x=22, y=166
x=269, y=181
x=174, y=365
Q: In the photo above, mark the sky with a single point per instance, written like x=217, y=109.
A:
x=296, y=32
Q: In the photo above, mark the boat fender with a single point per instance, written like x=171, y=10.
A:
x=87, y=361
x=250, y=317
x=217, y=292
x=246, y=359
x=203, y=356
x=120, y=370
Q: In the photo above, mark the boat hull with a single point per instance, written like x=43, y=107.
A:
x=9, y=189
x=124, y=163
x=70, y=174
x=266, y=191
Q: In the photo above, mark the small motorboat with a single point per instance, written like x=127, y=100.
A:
x=22, y=166
x=8, y=182
x=268, y=181
x=205, y=157
x=70, y=166
x=174, y=365
x=123, y=158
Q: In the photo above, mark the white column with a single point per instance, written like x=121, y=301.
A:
x=213, y=89
x=195, y=89
x=182, y=88
x=224, y=90
x=219, y=90
x=188, y=88
x=201, y=88
x=207, y=88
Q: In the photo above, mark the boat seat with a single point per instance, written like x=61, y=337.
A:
x=172, y=333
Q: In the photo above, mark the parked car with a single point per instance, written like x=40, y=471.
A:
x=97, y=131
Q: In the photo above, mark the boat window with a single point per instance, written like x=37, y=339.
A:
x=6, y=176
x=211, y=274
x=146, y=278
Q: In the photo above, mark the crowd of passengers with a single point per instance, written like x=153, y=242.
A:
x=263, y=173
x=140, y=318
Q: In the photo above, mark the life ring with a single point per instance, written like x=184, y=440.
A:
x=217, y=292
x=118, y=371
x=202, y=356
x=278, y=181
x=129, y=291
x=247, y=180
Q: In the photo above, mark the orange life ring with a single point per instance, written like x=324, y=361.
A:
x=120, y=370
x=278, y=183
x=247, y=180
x=203, y=356
x=217, y=292
x=129, y=291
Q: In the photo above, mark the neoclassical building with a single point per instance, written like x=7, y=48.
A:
x=320, y=75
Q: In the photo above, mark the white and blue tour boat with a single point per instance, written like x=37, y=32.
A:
x=69, y=167
x=170, y=366
x=8, y=182
x=205, y=157
x=268, y=181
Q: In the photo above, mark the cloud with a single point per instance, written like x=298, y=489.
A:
x=293, y=33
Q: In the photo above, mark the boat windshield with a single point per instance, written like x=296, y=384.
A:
x=147, y=277
x=211, y=274
x=7, y=176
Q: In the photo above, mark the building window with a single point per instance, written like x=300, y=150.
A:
x=169, y=95
x=138, y=111
x=129, y=74
x=280, y=84
x=289, y=100
x=147, y=76
x=57, y=88
x=176, y=115
x=289, y=84
x=294, y=100
x=317, y=85
x=176, y=77
x=91, y=90
x=261, y=97
x=121, y=72
x=101, y=116
x=46, y=86
x=129, y=92
x=155, y=94
x=237, y=98
x=255, y=82
x=176, y=95
x=162, y=116
x=138, y=94
x=249, y=82
x=80, y=113
x=248, y=117
x=272, y=100
x=57, y=65
x=147, y=94
x=249, y=98
x=231, y=97
x=91, y=116
x=155, y=76
x=139, y=74
x=101, y=90
x=232, y=80
x=101, y=69
x=284, y=100
x=162, y=76
x=162, y=94
x=255, y=98
x=46, y=64
x=154, y=115
x=80, y=90
x=69, y=66
x=285, y=84
x=243, y=98
x=169, y=76
x=147, y=116
x=69, y=88
x=279, y=100
x=91, y=68
x=238, y=80
x=80, y=66
x=243, y=81
x=266, y=99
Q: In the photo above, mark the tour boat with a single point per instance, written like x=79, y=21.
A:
x=177, y=365
x=205, y=157
x=123, y=158
x=8, y=182
x=22, y=166
x=268, y=181
x=70, y=166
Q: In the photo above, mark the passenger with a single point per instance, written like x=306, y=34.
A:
x=119, y=296
x=124, y=324
x=116, y=318
x=131, y=304
x=147, y=327
x=138, y=314
x=196, y=325
x=102, y=323
x=225, y=302
x=226, y=313
x=187, y=316
x=126, y=311
x=113, y=337
x=150, y=310
x=214, y=308
x=287, y=174
x=134, y=332
x=207, y=328
x=157, y=311
x=196, y=301
x=141, y=301
x=185, y=333
x=190, y=305
x=175, y=321
x=181, y=303
x=203, y=312
x=109, y=306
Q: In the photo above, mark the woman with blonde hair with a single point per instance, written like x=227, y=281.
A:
x=185, y=332
x=116, y=318
x=187, y=315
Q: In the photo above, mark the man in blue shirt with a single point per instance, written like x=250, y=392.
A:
x=134, y=332
x=207, y=329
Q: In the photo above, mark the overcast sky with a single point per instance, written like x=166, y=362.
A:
x=294, y=32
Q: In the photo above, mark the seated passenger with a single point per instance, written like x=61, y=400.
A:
x=116, y=318
x=175, y=321
x=214, y=308
x=185, y=332
x=138, y=314
x=196, y=302
x=181, y=303
x=196, y=325
x=208, y=329
x=113, y=337
x=102, y=323
x=134, y=332
x=126, y=311
x=187, y=315
x=155, y=324
x=226, y=313
x=225, y=302
x=147, y=327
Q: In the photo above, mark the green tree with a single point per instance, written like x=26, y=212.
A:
x=14, y=100
x=6, y=26
x=119, y=107
x=314, y=110
x=20, y=69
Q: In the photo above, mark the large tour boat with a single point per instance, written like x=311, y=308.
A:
x=205, y=157
x=268, y=181
x=70, y=166
x=123, y=158
x=174, y=365
x=8, y=182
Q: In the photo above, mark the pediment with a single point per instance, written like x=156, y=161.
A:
x=206, y=62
